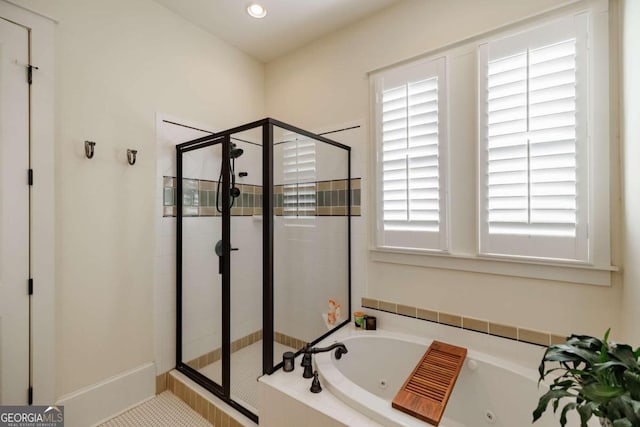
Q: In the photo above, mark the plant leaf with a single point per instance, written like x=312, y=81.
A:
x=601, y=393
x=632, y=382
x=545, y=399
x=568, y=355
x=605, y=347
x=586, y=342
x=624, y=354
x=557, y=383
x=563, y=414
x=588, y=356
x=585, y=412
x=607, y=365
x=624, y=407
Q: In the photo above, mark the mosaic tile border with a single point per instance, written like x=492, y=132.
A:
x=330, y=198
x=198, y=403
x=215, y=355
x=288, y=340
x=529, y=336
x=199, y=198
x=240, y=343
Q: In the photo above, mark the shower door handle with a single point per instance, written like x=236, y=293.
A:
x=220, y=252
x=220, y=258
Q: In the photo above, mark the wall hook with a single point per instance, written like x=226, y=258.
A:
x=89, y=148
x=131, y=156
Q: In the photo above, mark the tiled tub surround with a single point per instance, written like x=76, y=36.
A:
x=199, y=198
x=476, y=325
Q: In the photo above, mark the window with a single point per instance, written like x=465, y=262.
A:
x=514, y=177
x=534, y=148
x=411, y=146
x=299, y=189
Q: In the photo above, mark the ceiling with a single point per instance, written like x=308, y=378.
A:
x=289, y=24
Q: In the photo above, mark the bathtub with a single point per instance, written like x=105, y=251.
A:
x=488, y=392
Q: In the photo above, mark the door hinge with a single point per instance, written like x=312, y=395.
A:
x=30, y=69
x=30, y=286
x=30, y=176
x=30, y=395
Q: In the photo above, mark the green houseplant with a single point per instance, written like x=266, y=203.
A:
x=594, y=378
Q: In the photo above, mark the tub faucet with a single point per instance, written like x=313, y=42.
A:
x=306, y=359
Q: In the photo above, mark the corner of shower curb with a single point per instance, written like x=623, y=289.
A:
x=204, y=403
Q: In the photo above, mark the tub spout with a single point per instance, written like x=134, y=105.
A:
x=307, y=364
x=339, y=347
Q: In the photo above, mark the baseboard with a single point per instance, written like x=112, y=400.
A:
x=99, y=402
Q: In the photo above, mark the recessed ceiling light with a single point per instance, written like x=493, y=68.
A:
x=256, y=10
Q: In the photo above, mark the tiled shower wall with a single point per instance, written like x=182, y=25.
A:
x=200, y=198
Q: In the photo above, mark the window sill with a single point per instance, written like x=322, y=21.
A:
x=532, y=269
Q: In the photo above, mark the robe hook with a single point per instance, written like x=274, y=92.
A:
x=131, y=156
x=89, y=149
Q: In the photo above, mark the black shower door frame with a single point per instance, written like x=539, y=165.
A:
x=223, y=391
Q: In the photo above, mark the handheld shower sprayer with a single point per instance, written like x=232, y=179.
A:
x=234, y=153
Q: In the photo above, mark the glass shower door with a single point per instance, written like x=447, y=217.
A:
x=246, y=272
x=201, y=223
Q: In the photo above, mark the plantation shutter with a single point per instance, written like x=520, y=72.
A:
x=534, y=142
x=411, y=142
x=299, y=189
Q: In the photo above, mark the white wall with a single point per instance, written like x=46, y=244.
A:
x=117, y=64
x=326, y=83
x=630, y=131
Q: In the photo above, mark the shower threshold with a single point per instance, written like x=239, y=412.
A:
x=246, y=368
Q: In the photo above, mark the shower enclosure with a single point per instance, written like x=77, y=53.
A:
x=263, y=252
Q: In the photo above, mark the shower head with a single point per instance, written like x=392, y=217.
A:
x=235, y=151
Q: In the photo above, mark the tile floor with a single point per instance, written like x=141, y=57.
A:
x=164, y=410
x=167, y=410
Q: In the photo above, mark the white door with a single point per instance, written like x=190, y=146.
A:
x=14, y=214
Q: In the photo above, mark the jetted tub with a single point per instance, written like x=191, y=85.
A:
x=488, y=392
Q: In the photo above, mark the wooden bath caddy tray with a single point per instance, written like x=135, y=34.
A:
x=425, y=393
